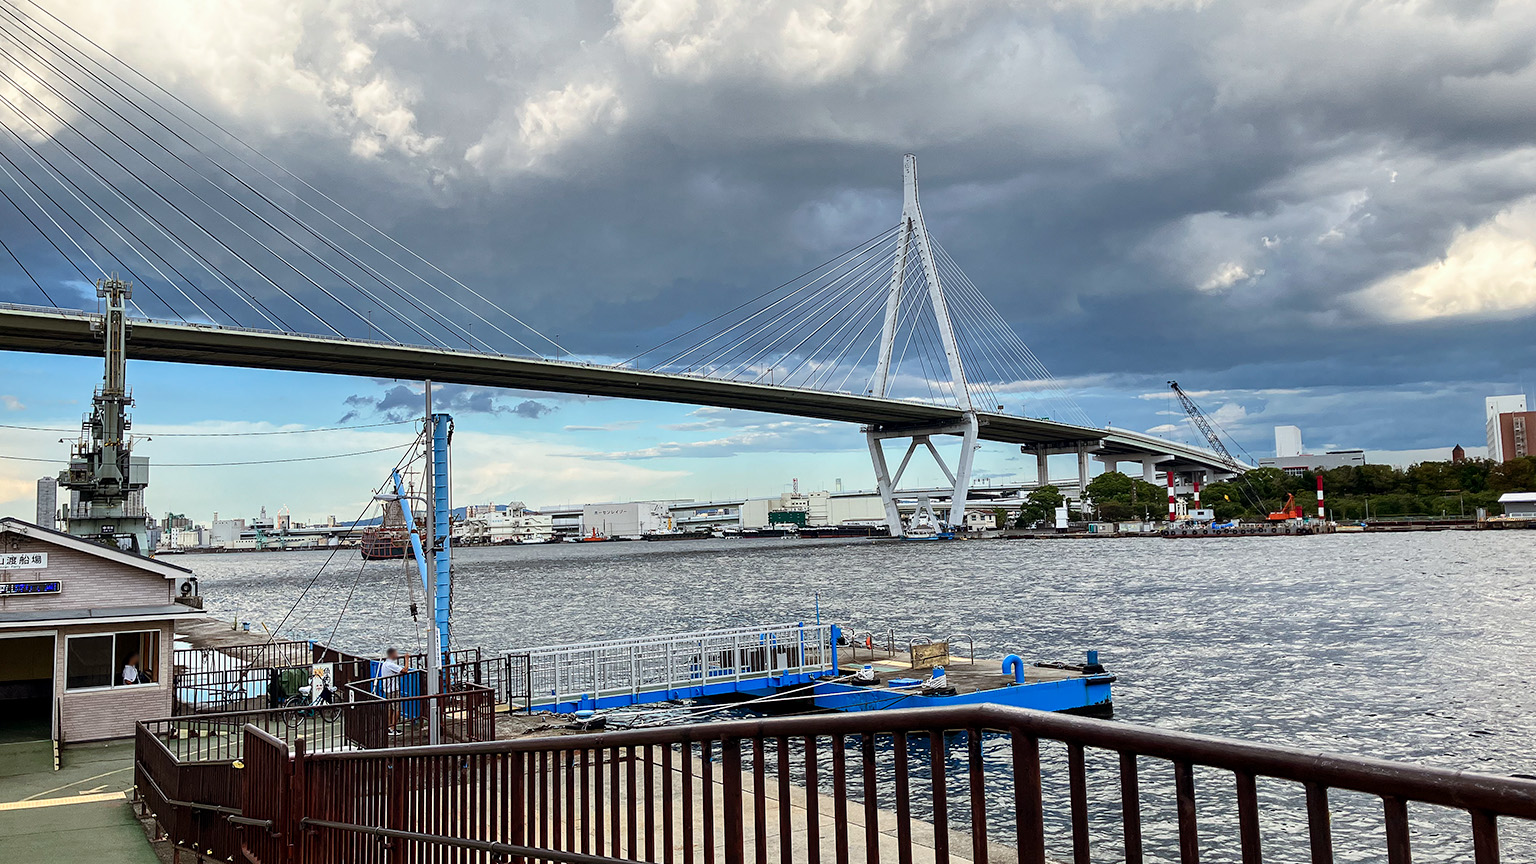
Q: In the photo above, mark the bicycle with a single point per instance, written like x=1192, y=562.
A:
x=316, y=699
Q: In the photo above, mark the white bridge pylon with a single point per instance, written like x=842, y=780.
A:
x=913, y=233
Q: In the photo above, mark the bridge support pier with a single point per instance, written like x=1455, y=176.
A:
x=968, y=428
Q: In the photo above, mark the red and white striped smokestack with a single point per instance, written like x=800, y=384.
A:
x=1171, y=508
x=1197, y=492
x=1321, y=514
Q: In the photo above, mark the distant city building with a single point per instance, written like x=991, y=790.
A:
x=633, y=519
x=1298, y=465
x=226, y=532
x=1292, y=458
x=1494, y=407
x=1288, y=442
x=48, y=502
x=1513, y=434
x=1458, y=455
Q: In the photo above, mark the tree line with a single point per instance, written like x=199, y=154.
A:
x=1353, y=493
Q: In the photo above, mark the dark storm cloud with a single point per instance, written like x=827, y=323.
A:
x=1248, y=195
x=400, y=402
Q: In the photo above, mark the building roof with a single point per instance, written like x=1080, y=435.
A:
x=96, y=616
x=70, y=541
x=1518, y=498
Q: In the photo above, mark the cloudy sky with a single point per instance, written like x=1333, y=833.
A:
x=1321, y=214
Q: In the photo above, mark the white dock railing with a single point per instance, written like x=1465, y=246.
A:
x=721, y=660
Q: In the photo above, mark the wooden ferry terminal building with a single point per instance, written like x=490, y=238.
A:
x=86, y=634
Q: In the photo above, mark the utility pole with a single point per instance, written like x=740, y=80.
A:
x=435, y=651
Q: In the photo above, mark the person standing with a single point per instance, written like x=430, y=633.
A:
x=390, y=670
x=131, y=674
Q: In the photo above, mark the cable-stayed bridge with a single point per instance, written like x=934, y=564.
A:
x=237, y=261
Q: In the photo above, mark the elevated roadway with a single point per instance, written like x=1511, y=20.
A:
x=69, y=332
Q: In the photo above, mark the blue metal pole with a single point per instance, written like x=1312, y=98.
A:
x=410, y=522
x=442, y=528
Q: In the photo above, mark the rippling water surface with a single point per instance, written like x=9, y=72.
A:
x=1407, y=646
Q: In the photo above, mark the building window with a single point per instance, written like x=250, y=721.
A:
x=112, y=659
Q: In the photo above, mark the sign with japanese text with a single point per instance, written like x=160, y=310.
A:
x=23, y=560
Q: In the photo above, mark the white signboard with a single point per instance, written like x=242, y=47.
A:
x=23, y=560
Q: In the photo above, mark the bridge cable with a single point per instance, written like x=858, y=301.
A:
x=238, y=227
x=846, y=338
x=64, y=75
x=857, y=287
x=101, y=212
x=221, y=243
x=858, y=273
x=842, y=340
x=1012, y=336
x=146, y=158
x=45, y=236
x=749, y=301
x=733, y=349
x=61, y=228
x=869, y=298
x=229, y=464
x=29, y=274
x=29, y=21
x=139, y=209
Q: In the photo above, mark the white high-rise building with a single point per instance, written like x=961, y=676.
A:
x=1288, y=442
x=1495, y=406
x=48, y=502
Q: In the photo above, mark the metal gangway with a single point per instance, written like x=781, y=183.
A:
x=751, y=661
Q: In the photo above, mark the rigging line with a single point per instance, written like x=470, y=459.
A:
x=269, y=178
x=331, y=640
x=101, y=213
x=260, y=309
x=223, y=434
x=45, y=236
x=749, y=301
x=326, y=563
x=856, y=287
x=738, y=345
x=861, y=293
x=742, y=345
x=238, y=227
x=76, y=84
x=29, y=274
x=230, y=464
